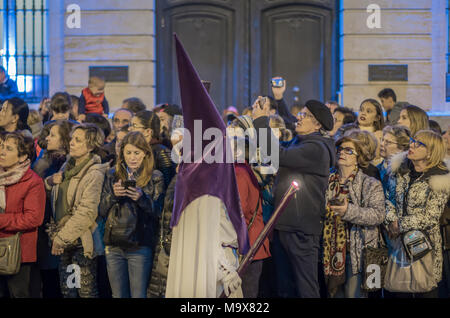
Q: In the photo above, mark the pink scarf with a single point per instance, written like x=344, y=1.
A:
x=11, y=177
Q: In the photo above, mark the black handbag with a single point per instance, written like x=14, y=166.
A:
x=121, y=227
x=375, y=256
x=10, y=254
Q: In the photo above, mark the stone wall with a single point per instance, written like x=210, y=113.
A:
x=112, y=33
x=413, y=32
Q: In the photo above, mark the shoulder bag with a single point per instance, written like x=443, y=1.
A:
x=10, y=254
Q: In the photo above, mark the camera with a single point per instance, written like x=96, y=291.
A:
x=277, y=82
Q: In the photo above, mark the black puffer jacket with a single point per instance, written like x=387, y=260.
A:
x=163, y=161
x=147, y=209
x=157, y=283
x=306, y=159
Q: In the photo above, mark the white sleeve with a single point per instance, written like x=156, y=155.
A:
x=227, y=257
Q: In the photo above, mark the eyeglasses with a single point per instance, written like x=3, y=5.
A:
x=304, y=114
x=347, y=150
x=388, y=142
x=416, y=143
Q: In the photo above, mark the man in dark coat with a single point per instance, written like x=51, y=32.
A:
x=8, y=88
x=306, y=159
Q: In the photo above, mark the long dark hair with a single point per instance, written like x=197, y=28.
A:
x=20, y=108
x=135, y=138
x=150, y=120
x=378, y=124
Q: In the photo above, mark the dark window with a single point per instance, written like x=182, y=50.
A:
x=23, y=46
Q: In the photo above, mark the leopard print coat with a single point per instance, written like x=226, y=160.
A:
x=425, y=201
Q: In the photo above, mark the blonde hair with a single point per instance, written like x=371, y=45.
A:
x=368, y=144
x=34, y=117
x=418, y=119
x=96, y=81
x=276, y=121
x=136, y=138
x=435, y=148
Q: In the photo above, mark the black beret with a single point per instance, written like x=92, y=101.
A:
x=322, y=113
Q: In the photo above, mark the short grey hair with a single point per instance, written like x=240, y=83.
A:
x=93, y=134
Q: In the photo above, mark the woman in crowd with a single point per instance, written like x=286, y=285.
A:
x=422, y=191
x=166, y=113
x=55, y=148
x=342, y=116
x=395, y=140
x=35, y=123
x=14, y=115
x=369, y=142
x=355, y=208
x=148, y=123
x=283, y=133
x=414, y=118
x=371, y=119
x=75, y=200
x=61, y=106
x=158, y=280
x=131, y=205
x=251, y=202
x=22, y=205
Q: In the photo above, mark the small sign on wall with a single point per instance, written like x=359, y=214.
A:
x=388, y=73
x=110, y=73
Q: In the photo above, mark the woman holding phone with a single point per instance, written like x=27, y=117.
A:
x=131, y=204
x=355, y=208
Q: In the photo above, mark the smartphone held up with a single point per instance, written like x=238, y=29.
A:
x=277, y=82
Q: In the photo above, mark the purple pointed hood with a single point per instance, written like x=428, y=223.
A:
x=200, y=178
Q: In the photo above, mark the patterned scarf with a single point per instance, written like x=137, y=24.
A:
x=11, y=177
x=335, y=235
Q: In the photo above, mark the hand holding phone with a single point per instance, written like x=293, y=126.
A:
x=129, y=184
x=277, y=82
x=278, y=87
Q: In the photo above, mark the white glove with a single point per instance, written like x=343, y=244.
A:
x=231, y=283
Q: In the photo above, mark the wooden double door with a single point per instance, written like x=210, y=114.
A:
x=239, y=45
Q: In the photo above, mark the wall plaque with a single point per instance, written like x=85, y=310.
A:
x=388, y=73
x=110, y=73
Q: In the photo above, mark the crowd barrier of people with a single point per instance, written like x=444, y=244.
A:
x=96, y=197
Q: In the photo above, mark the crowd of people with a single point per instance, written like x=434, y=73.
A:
x=99, y=194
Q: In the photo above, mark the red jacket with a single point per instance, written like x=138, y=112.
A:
x=25, y=206
x=93, y=104
x=249, y=194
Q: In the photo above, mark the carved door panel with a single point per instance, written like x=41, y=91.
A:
x=296, y=40
x=215, y=36
x=239, y=45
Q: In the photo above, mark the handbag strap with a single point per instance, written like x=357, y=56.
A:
x=381, y=240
